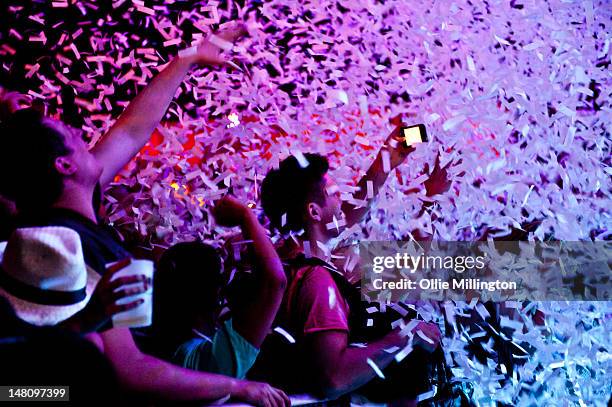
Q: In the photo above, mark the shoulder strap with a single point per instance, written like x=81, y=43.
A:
x=350, y=293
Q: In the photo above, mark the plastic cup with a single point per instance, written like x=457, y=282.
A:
x=142, y=315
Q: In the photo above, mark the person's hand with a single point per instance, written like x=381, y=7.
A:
x=210, y=50
x=261, y=394
x=430, y=331
x=15, y=100
x=229, y=211
x=103, y=303
x=438, y=182
x=10, y=102
x=397, y=147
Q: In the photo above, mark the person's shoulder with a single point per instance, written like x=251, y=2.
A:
x=193, y=343
x=51, y=217
x=191, y=346
x=317, y=274
x=193, y=354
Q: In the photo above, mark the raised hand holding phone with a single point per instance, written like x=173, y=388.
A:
x=402, y=141
x=414, y=134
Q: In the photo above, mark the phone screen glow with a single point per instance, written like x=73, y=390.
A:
x=412, y=135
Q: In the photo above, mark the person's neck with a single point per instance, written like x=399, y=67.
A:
x=317, y=237
x=78, y=199
x=206, y=324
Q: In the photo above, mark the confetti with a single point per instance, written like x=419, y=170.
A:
x=386, y=160
x=336, y=224
x=307, y=251
x=175, y=41
x=453, y=122
x=370, y=189
x=187, y=52
x=285, y=334
x=301, y=159
x=523, y=108
x=221, y=43
x=376, y=369
x=426, y=395
x=403, y=353
x=424, y=337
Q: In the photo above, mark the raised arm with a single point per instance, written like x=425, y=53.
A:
x=134, y=127
x=253, y=320
x=397, y=151
x=396, y=148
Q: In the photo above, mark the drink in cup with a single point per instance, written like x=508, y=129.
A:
x=140, y=316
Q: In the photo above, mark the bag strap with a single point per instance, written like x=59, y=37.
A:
x=348, y=291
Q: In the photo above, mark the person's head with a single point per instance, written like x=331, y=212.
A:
x=188, y=282
x=301, y=195
x=56, y=357
x=39, y=157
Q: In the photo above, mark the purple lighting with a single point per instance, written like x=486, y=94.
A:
x=515, y=96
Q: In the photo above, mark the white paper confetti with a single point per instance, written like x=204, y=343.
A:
x=376, y=369
x=285, y=334
x=221, y=43
x=522, y=107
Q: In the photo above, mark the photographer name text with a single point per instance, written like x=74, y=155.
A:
x=435, y=284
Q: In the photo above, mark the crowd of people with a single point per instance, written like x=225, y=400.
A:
x=60, y=285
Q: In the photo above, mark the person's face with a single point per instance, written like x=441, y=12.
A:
x=86, y=168
x=332, y=209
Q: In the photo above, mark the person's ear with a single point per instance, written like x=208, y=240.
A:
x=314, y=212
x=65, y=166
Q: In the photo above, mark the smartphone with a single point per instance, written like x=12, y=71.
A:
x=414, y=134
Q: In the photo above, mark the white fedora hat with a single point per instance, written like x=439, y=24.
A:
x=43, y=274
